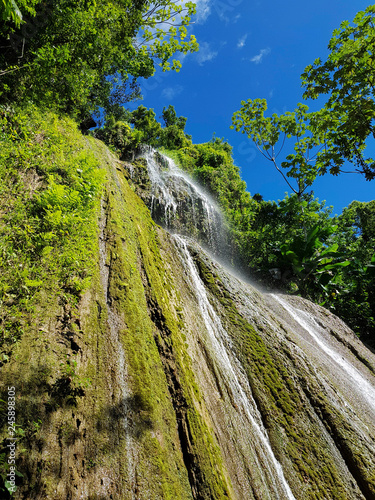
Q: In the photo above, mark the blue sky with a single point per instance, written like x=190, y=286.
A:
x=255, y=49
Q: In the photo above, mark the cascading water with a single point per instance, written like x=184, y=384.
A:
x=341, y=380
x=271, y=481
x=353, y=384
x=180, y=205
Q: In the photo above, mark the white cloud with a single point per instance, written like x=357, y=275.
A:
x=259, y=57
x=225, y=10
x=205, y=53
x=241, y=42
x=171, y=92
x=203, y=10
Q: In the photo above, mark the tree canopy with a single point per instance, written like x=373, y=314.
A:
x=270, y=133
x=71, y=55
x=347, y=77
x=342, y=127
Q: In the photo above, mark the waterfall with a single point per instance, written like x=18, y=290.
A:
x=237, y=385
x=354, y=381
x=181, y=206
x=338, y=365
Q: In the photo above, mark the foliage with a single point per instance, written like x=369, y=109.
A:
x=347, y=78
x=269, y=135
x=311, y=262
x=78, y=57
x=119, y=135
x=4, y=472
x=171, y=119
x=355, y=302
x=277, y=224
x=48, y=201
x=164, y=28
x=173, y=135
x=10, y=12
x=145, y=122
x=141, y=127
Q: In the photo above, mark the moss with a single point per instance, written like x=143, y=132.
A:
x=93, y=340
x=279, y=399
x=150, y=291
x=49, y=198
x=82, y=422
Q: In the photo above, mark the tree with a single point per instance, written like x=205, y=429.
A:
x=71, y=55
x=270, y=134
x=275, y=226
x=355, y=302
x=347, y=77
x=164, y=30
x=144, y=120
x=311, y=263
x=173, y=135
x=170, y=118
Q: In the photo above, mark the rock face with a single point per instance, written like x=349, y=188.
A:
x=178, y=203
x=189, y=382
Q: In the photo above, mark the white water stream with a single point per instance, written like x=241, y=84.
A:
x=356, y=379
x=237, y=384
x=180, y=204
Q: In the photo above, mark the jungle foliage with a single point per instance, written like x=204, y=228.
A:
x=77, y=56
x=48, y=212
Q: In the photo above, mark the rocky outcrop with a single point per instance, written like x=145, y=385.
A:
x=173, y=378
x=177, y=202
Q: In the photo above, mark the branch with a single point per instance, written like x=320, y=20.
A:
x=285, y=178
x=11, y=70
x=316, y=154
x=148, y=15
x=281, y=145
x=260, y=151
x=23, y=47
x=153, y=37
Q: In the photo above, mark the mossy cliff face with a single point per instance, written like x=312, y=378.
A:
x=124, y=389
x=106, y=397
x=320, y=428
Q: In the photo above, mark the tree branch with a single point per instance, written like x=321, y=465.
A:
x=285, y=178
x=11, y=70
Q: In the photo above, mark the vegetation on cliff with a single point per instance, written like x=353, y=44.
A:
x=98, y=321
x=49, y=195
